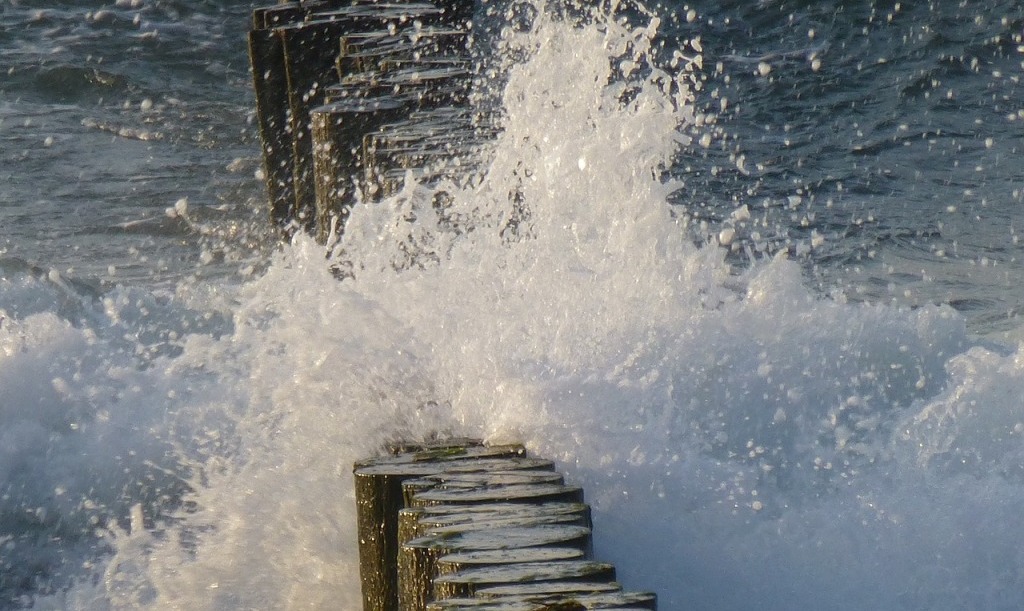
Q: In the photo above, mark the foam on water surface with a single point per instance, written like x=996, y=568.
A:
x=744, y=442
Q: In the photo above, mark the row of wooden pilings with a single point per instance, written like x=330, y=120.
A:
x=353, y=94
x=457, y=525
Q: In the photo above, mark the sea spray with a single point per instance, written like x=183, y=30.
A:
x=744, y=442
x=89, y=426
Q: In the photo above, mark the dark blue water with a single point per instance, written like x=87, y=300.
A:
x=110, y=114
x=181, y=395
x=890, y=130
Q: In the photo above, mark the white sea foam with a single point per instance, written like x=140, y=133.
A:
x=744, y=442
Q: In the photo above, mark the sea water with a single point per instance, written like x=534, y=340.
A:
x=749, y=274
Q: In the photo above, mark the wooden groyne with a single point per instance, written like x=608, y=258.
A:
x=352, y=97
x=454, y=525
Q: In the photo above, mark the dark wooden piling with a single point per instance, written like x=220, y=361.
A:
x=623, y=601
x=270, y=82
x=372, y=51
x=337, y=131
x=436, y=516
x=309, y=66
x=564, y=589
x=421, y=521
x=416, y=522
x=431, y=145
x=417, y=559
x=522, y=493
x=466, y=582
x=459, y=561
x=476, y=480
x=357, y=107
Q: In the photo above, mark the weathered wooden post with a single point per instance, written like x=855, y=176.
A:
x=522, y=493
x=496, y=515
x=520, y=526
x=270, y=82
x=460, y=561
x=521, y=470
x=548, y=589
x=467, y=480
x=467, y=582
x=564, y=601
x=433, y=143
x=417, y=560
x=359, y=107
x=337, y=131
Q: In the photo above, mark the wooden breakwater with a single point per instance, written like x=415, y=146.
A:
x=458, y=525
x=351, y=95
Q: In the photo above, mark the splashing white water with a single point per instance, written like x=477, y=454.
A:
x=743, y=442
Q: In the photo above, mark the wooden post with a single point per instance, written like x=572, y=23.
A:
x=566, y=589
x=270, y=82
x=311, y=54
x=453, y=563
x=471, y=479
x=501, y=514
x=369, y=51
x=565, y=601
x=468, y=581
x=359, y=106
x=417, y=568
x=524, y=493
x=337, y=131
x=308, y=49
x=435, y=143
x=486, y=472
x=459, y=523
